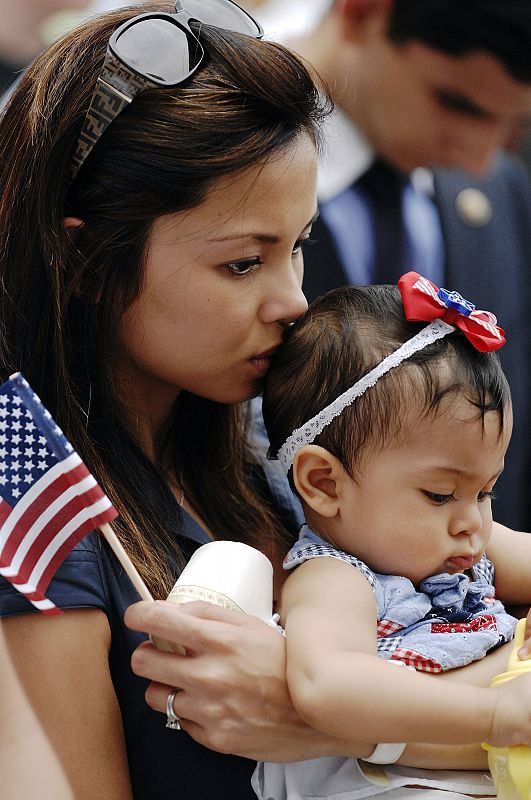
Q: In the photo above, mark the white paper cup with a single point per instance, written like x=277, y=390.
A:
x=229, y=574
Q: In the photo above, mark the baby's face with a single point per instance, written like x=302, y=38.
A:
x=422, y=506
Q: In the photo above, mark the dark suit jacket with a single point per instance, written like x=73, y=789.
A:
x=491, y=266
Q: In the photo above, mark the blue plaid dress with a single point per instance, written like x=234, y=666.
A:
x=448, y=622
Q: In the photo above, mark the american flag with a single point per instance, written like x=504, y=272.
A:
x=49, y=499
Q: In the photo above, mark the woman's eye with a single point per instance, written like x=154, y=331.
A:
x=440, y=499
x=239, y=268
x=486, y=496
x=300, y=244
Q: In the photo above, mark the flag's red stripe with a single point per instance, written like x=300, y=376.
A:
x=5, y=511
x=32, y=513
x=55, y=526
x=39, y=597
x=48, y=533
x=61, y=554
x=50, y=493
x=46, y=549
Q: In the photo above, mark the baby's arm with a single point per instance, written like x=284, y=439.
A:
x=340, y=687
x=471, y=756
x=444, y=756
x=510, y=552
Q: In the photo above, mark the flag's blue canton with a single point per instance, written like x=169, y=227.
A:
x=25, y=453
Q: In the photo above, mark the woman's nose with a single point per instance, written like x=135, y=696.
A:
x=286, y=301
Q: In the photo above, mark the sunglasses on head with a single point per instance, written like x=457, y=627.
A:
x=153, y=49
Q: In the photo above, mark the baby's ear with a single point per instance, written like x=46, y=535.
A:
x=316, y=474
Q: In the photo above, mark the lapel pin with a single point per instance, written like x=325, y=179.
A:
x=474, y=207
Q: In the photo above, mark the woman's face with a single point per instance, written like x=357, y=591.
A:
x=221, y=281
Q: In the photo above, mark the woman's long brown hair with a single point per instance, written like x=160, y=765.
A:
x=62, y=296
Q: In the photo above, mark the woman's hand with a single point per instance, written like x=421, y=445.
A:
x=233, y=695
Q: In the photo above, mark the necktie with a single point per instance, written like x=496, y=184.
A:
x=383, y=187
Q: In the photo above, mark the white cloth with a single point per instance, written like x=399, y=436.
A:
x=99, y=6
x=335, y=778
x=286, y=19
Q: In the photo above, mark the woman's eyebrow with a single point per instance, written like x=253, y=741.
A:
x=267, y=238
x=264, y=238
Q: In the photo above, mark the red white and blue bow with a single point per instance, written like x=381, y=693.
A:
x=423, y=301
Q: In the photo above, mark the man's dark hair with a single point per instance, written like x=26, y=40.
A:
x=457, y=27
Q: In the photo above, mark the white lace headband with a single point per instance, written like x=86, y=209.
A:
x=307, y=432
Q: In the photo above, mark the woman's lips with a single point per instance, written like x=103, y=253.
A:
x=262, y=362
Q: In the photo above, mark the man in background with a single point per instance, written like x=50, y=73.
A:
x=414, y=176
x=24, y=32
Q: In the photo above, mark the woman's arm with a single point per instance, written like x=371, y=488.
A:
x=62, y=662
x=28, y=765
x=234, y=696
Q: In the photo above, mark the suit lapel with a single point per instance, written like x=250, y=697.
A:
x=322, y=268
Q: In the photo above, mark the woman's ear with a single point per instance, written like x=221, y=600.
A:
x=72, y=222
x=82, y=288
x=317, y=474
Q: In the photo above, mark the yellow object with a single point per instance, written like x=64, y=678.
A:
x=511, y=766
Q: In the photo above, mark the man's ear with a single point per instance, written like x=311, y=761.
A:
x=357, y=16
x=317, y=475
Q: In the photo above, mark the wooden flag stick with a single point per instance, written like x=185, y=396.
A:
x=125, y=561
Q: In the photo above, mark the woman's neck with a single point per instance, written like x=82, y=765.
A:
x=148, y=405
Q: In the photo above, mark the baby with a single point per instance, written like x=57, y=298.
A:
x=393, y=433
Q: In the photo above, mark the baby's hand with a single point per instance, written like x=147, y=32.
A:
x=511, y=720
x=524, y=651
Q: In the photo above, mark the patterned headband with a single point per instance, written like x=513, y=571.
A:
x=423, y=301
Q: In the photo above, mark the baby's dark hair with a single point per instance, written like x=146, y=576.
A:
x=341, y=337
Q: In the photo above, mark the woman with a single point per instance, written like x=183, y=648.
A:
x=149, y=270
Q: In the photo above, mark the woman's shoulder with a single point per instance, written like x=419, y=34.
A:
x=87, y=578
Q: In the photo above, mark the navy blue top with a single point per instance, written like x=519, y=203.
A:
x=163, y=763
